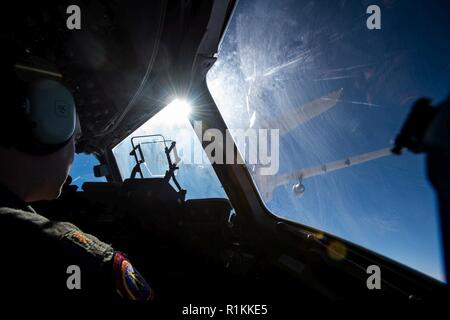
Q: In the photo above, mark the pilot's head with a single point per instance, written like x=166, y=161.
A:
x=38, y=131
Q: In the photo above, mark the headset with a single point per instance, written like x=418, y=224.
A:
x=38, y=115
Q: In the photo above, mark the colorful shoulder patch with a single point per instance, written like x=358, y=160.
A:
x=129, y=283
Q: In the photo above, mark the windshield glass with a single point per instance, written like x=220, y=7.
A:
x=197, y=177
x=338, y=92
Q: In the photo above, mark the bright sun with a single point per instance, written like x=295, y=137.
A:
x=175, y=112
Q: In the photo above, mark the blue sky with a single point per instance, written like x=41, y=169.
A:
x=82, y=169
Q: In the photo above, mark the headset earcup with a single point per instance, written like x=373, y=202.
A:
x=52, y=109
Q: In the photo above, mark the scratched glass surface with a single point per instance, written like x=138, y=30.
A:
x=339, y=92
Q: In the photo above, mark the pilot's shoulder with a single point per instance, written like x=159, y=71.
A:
x=66, y=234
x=112, y=268
x=87, y=243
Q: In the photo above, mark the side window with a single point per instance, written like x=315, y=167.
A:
x=82, y=169
x=197, y=177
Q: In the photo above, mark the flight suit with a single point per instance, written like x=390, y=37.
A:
x=44, y=259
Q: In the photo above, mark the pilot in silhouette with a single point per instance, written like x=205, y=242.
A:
x=41, y=258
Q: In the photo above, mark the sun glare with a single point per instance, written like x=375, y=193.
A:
x=175, y=112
